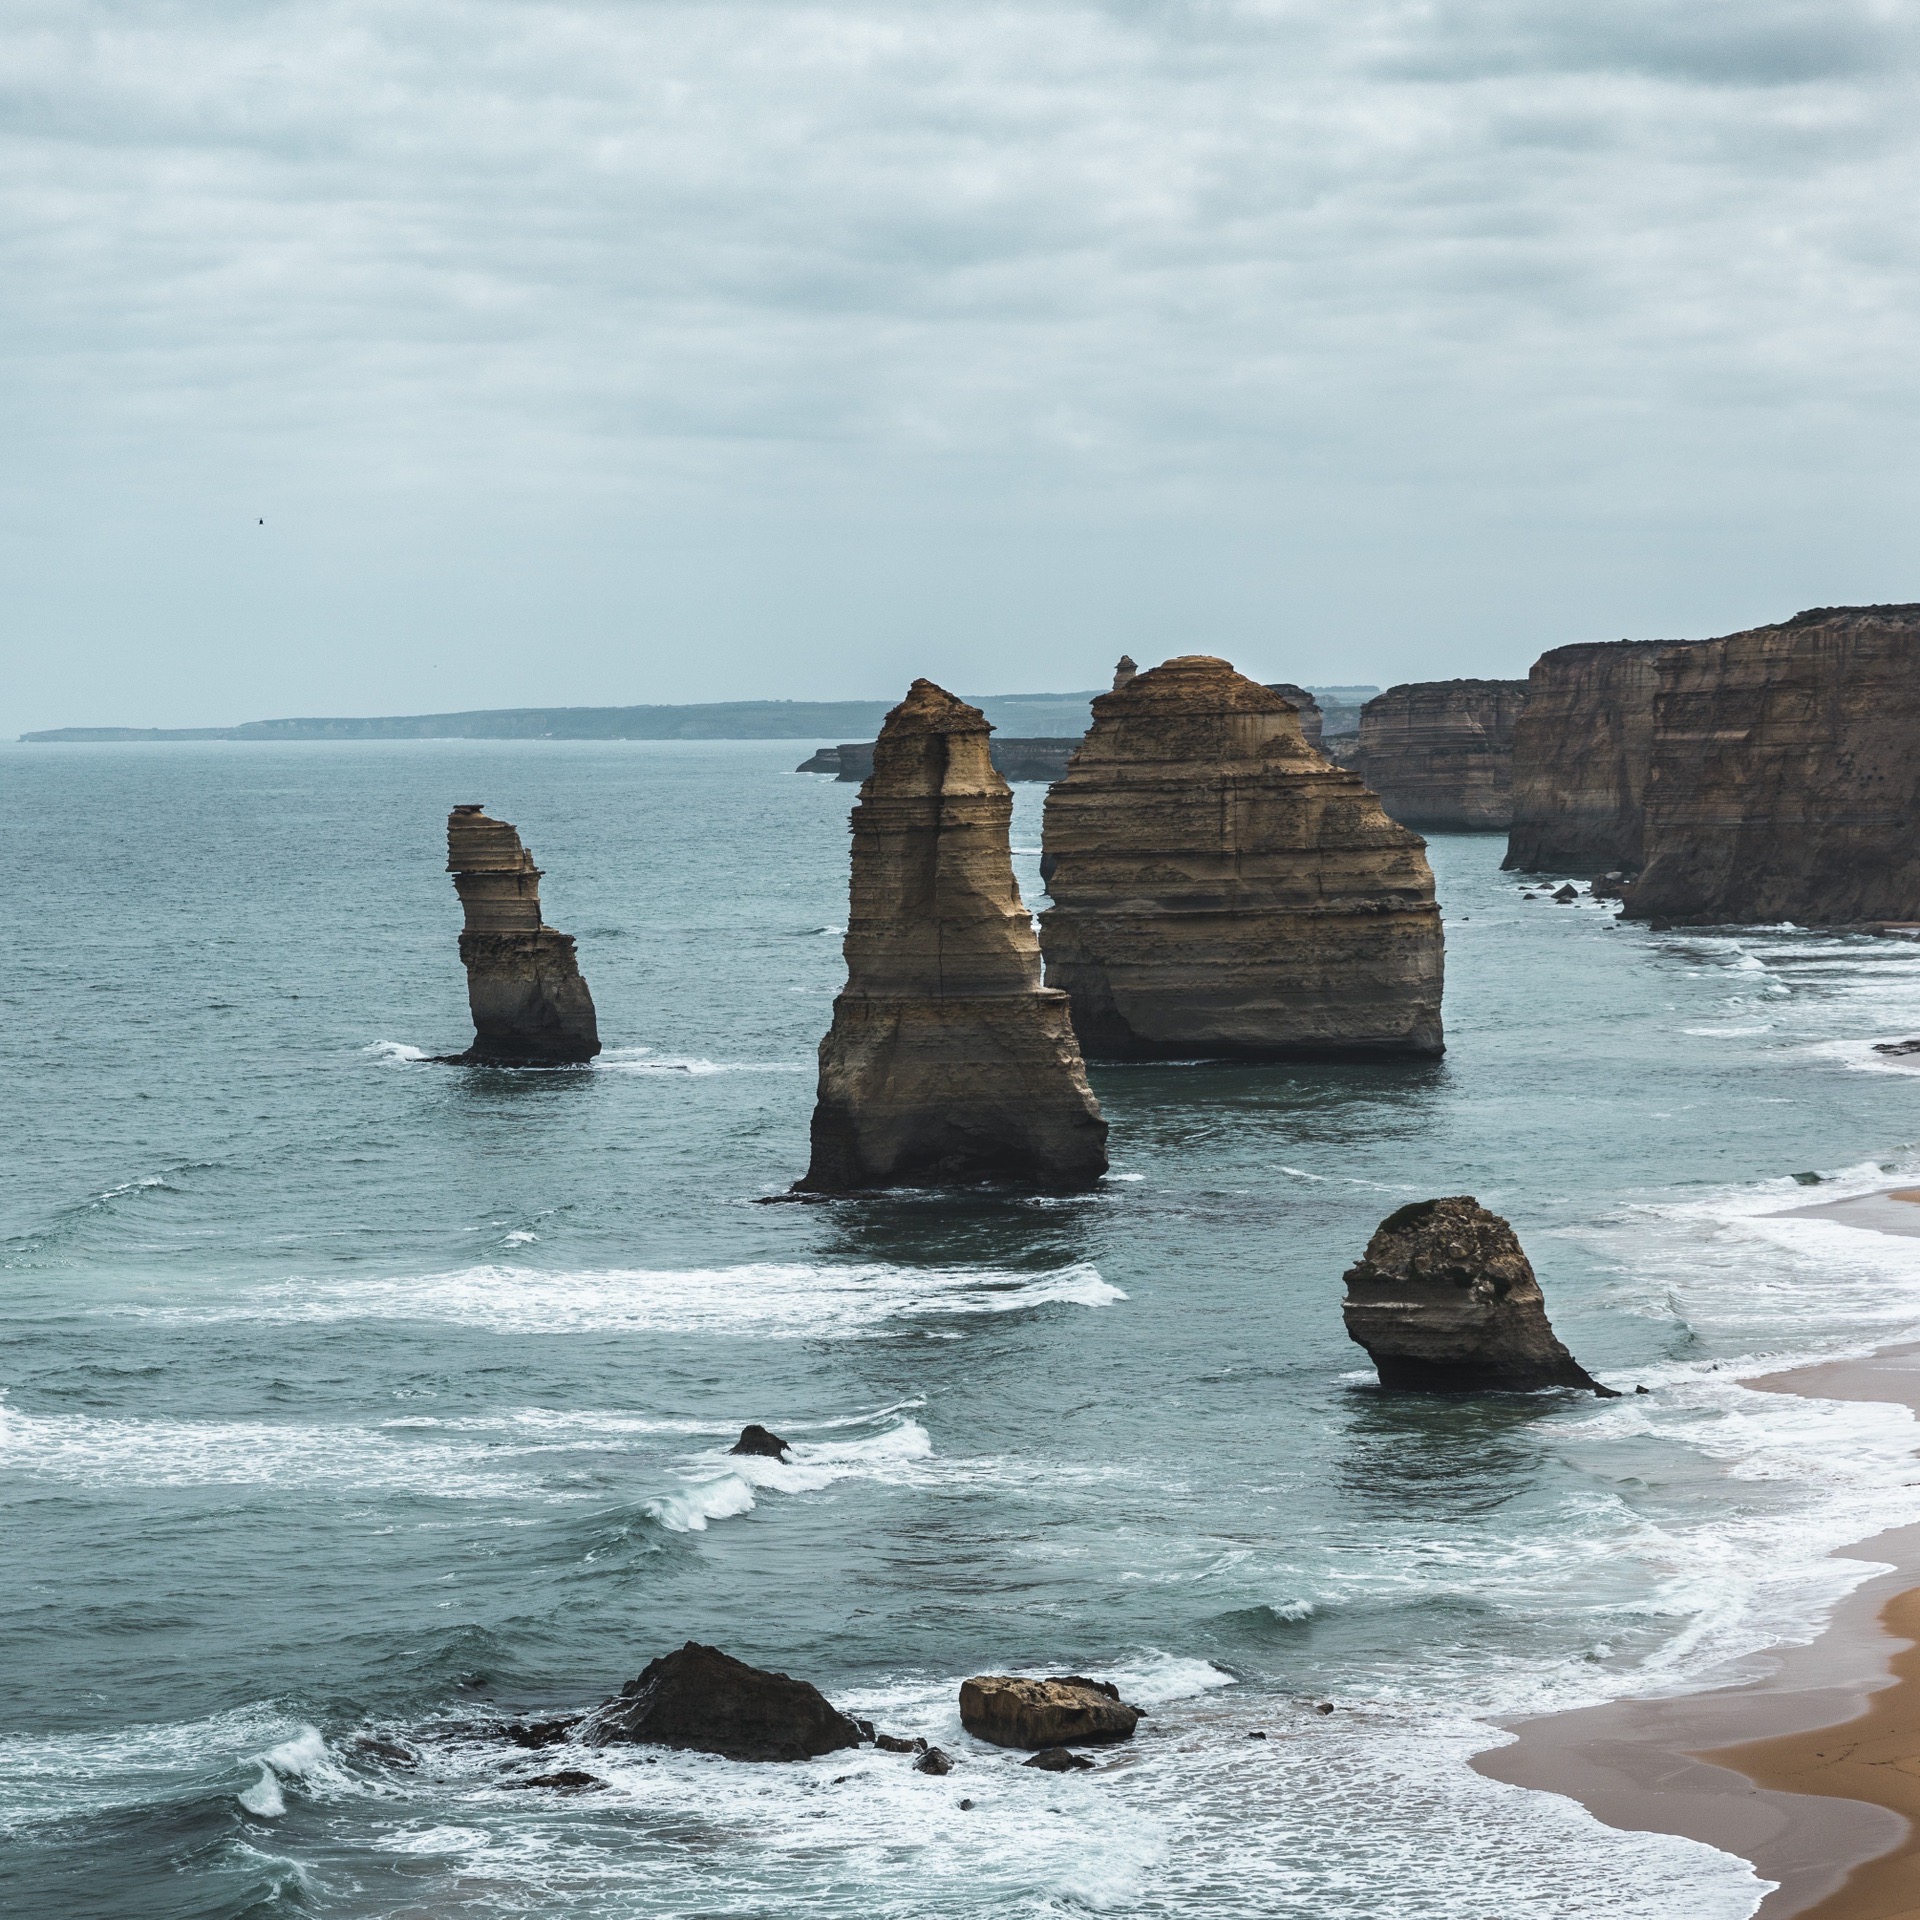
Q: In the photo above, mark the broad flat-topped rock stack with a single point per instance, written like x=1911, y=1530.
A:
x=1221, y=889
x=1439, y=753
x=530, y=1005
x=1581, y=749
x=1785, y=774
x=947, y=1058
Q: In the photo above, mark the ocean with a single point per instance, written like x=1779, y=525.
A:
x=347, y=1394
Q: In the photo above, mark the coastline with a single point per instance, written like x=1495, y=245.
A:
x=1808, y=1764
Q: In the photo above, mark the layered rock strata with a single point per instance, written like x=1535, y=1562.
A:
x=1221, y=889
x=530, y=1005
x=1581, y=749
x=1445, y=1301
x=1042, y=758
x=1439, y=753
x=1123, y=671
x=1785, y=775
x=1312, y=720
x=947, y=1058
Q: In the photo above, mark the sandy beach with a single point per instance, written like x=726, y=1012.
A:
x=1808, y=1765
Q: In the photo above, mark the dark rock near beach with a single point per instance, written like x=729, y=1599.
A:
x=566, y=1780
x=530, y=1006
x=948, y=1061
x=1609, y=886
x=1896, y=1046
x=758, y=1441
x=535, y=1734
x=1058, y=1760
x=934, y=1760
x=704, y=1700
x=1445, y=1301
x=377, y=1746
x=898, y=1743
x=1045, y=1713
x=1566, y=892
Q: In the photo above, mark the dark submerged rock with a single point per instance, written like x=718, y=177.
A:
x=1058, y=1760
x=934, y=1760
x=703, y=1700
x=758, y=1441
x=566, y=1780
x=535, y=1734
x=1445, y=1301
x=1045, y=1713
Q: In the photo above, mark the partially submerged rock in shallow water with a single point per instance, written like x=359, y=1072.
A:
x=757, y=1440
x=530, y=1006
x=701, y=1699
x=934, y=1760
x=1445, y=1301
x=1045, y=1713
x=1058, y=1760
x=566, y=1780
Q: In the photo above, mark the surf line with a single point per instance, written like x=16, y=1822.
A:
x=1811, y=1772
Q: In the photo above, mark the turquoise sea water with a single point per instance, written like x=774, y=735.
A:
x=347, y=1392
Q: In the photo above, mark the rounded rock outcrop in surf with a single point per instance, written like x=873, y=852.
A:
x=530, y=1005
x=948, y=1060
x=704, y=1700
x=1068, y=1710
x=1221, y=889
x=1445, y=1301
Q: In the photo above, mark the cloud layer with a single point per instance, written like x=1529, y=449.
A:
x=757, y=347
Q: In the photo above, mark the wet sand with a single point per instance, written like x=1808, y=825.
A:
x=1808, y=1763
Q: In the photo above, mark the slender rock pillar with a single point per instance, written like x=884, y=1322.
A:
x=1221, y=889
x=530, y=1006
x=947, y=1059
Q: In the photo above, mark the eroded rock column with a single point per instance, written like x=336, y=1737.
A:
x=947, y=1059
x=1221, y=889
x=530, y=1005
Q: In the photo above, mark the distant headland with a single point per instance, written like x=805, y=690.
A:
x=1035, y=715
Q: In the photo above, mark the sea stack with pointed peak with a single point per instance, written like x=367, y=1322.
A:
x=1445, y=1301
x=947, y=1059
x=530, y=1006
x=1124, y=671
x=1220, y=889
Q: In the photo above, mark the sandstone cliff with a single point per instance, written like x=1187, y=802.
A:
x=530, y=1005
x=1312, y=720
x=1445, y=1301
x=1220, y=888
x=1581, y=748
x=947, y=1058
x=1785, y=775
x=1439, y=753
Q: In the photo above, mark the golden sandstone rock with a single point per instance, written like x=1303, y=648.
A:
x=1784, y=781
x=530, y=1005
x=947, y=1058
x=1066, y=1711
x=1439, y=753
x=1220, y=888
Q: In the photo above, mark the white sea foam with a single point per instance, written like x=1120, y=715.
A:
x=644, y=1060
x=395, y=1053
x=767, y=1301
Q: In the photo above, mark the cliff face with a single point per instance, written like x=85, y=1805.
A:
x=1581, y=748
x=1439, y=753
x=530, y=1005
x=947, y=1058
x=1220, y=888
x=1312, y=720
x=1785, y=774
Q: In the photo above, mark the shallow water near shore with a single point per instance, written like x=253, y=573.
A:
x=348, y=1392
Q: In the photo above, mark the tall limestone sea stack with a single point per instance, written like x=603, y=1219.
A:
x=1581, y=748
x=1785, y=774
x=947, y=1059
x=530, y=1006
x=1439, y=753
x=1221, y=889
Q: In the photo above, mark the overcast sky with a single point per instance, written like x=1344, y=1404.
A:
x=595, y=353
